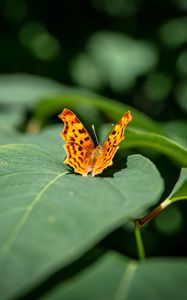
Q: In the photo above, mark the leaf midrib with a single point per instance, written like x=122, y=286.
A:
x=26, y=172
x=125, y=282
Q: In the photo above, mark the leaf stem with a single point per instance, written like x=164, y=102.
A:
x=154, y=212
x=139, y=242
x=179, y=198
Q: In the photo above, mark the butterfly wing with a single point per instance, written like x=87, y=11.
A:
x=111, y=145
x=77, y=158
x=79, y=143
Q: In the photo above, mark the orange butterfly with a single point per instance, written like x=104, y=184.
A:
x=81, y=153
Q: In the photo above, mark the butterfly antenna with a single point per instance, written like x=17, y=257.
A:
x=108, y=131
x=93, y=128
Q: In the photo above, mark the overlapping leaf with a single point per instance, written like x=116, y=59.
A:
x=117, y=278
x=179, y=191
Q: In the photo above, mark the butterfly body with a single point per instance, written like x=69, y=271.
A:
x=82, y=155
x=94, y=156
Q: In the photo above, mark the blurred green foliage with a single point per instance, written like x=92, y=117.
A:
x=134, y=51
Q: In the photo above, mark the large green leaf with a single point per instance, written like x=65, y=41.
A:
x=114, y=277
x=50, y=217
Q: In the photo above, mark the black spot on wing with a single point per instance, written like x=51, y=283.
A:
x=83, y=130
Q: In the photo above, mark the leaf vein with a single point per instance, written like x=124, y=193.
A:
x=21, y=173
x=124, y=285
x=17, y=229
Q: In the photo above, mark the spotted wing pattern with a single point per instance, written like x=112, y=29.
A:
x=79, y=145
x=77, y=158
x=111, y=145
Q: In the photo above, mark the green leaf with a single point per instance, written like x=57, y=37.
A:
x=111, y=108
x=156, y=142
x=48, y=138
x=11, y=118
x=114, y=277
x=25, y=89
x=49, y=217
x=177, y=130
x=179, y=191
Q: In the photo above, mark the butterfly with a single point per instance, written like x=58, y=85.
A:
x=82, y=155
